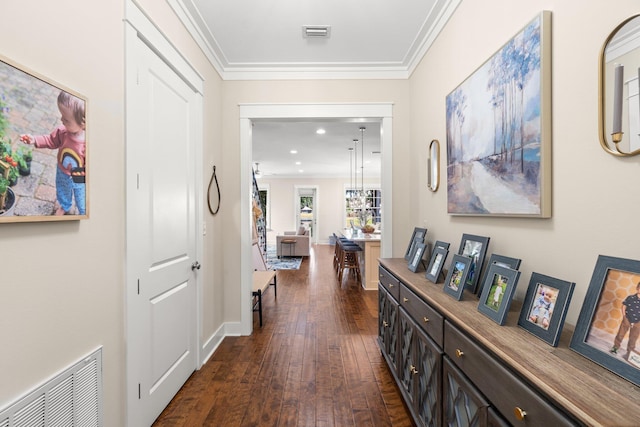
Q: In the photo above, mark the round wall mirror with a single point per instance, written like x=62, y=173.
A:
x=433, y=165
x=619, y=90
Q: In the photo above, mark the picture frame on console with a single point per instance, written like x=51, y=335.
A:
x=545, y=307
x=505, y=261
x=608, y=316
x=417, y=236
x=497, y=292
x=441, y=244
x=475, y=247
x=436, y=262
x=454, y=284
x=418, y=254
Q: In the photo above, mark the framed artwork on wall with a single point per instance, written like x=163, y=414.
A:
x=545, y=307
x=43, y=144
x=498, y=124
x=607, y=327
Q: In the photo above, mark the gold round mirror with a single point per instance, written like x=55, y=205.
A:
x=619, y=90
x=433, y=165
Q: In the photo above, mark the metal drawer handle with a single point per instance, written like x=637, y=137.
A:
x=391, y=285
x=385, y=324
x=425, y=319
x=519, y=413
x=459, y=353
x=405, y=300
x=413, y=369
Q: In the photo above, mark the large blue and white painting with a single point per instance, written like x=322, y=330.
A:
x=497, y=132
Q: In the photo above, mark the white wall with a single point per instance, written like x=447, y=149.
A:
x=62, y=283
x=595, y=196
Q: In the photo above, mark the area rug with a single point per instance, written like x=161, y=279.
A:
x=282, y=263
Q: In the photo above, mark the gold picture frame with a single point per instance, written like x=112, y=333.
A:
x=44, y=160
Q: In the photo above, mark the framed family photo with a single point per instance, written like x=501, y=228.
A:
x=417, y=236
x=545, y=307
x=418, y=254
x=43, y=148
x=434, y=269
x=475, y=247
x=607, y=328
x=497, y=292
x=505, y=261
x=457, y=276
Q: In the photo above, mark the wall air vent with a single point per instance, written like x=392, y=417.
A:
x=316, y=31
x=71, y=398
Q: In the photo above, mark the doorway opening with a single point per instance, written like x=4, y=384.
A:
x=381, y=112
x=306, y=210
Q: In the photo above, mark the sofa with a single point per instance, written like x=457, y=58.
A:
x=300, y=248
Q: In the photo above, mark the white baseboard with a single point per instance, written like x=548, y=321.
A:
x=213, y=342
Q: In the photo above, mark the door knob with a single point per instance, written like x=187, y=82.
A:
x=195, y=266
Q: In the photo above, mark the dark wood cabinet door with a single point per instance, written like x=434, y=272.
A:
x=463, y=405
x=428, y=385
x=388, y=327
x=408, y=364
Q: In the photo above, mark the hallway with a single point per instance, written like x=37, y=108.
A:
x=315, y=362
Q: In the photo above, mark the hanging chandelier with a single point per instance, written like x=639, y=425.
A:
x=357, y=196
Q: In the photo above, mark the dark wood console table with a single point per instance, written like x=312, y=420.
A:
x=442, y=352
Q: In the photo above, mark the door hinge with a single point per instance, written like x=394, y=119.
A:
x=138, y=286
x=137, y=181
x=139, y=394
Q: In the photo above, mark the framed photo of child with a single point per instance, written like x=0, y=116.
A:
x=475, y=247
x=608, y=326
x=417, y=237
x=545, y=307
x=497, y=292
x=43, y=139
x=436, y=262
x=416, y=261
x=457, y=276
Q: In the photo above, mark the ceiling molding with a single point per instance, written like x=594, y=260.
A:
x=197, y=27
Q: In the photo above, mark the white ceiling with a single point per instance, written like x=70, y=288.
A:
x=263, y=40
x=320, y=156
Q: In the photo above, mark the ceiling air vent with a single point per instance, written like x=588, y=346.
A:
x=316, y=31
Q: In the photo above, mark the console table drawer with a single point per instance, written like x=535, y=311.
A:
x=513, y=397
x=426, y=317
x=390, y=283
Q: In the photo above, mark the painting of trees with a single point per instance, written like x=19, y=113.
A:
x=497, y=130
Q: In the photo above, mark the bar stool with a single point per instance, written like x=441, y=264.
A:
x=349, y=260
x=337, y=253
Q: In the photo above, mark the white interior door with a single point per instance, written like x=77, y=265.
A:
x=163, y=120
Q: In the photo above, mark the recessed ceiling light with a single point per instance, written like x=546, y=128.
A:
x=300, y=170
x=294, y=151
x=298, y=163
x=321, y=131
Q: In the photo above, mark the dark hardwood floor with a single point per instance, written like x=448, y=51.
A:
x=315, y=361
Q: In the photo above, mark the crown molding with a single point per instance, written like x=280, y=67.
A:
x=195, y=25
